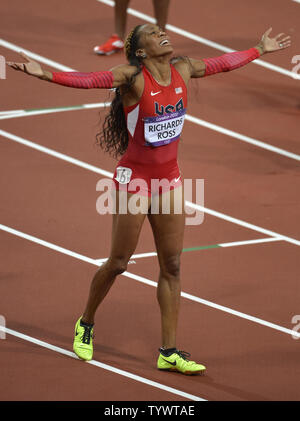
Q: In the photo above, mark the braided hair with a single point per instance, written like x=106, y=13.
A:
x=114, y=137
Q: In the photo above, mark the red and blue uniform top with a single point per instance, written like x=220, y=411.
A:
x=155, y=123
x=154, y=126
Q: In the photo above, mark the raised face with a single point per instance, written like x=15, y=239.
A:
x=153, y=41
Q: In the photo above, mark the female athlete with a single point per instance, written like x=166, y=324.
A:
x=143, y=127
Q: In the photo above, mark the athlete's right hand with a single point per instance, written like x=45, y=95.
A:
x=32, y=67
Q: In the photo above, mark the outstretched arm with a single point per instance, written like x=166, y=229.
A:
x=106, y=79
x=231, y=61
x=84, y=80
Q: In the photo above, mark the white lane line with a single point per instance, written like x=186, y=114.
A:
x=4, y=115
x=101, y=365
x=55, y=154
x=196, y=120
x=232, y=244
x=34, y=56
x=146, y=281
x=242, y=223
x=201, y=40
x=243, y=243
x=134, y=256
x=12, y=112
x=241, y=315
x=242, y=137
x=47, y=244
x=108, y=174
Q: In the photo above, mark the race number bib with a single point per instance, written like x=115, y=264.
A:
x=123, y=175
x=162, y=130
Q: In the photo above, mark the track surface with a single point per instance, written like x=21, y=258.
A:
x=43, y=290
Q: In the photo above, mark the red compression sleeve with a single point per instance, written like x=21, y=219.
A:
x=84, y=80
x=229, y=61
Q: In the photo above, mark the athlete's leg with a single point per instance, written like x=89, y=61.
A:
x=121, y=17
x=161, y=8
x=168, y=230
x=125, y=234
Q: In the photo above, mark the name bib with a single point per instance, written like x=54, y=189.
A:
x=161, y=130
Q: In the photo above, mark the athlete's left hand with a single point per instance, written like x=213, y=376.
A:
x=273, y=44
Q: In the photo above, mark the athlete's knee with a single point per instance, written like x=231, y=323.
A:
x=171, y=266
x=117, y=265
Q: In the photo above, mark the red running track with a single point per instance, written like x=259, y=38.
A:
x=42, y=291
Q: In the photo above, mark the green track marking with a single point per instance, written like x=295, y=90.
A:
x=214, y=246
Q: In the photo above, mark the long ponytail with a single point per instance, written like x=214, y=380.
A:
x=114, y=137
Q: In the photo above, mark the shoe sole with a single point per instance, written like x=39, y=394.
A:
x=82, y=359
x=106, y=54
x=187, y=373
